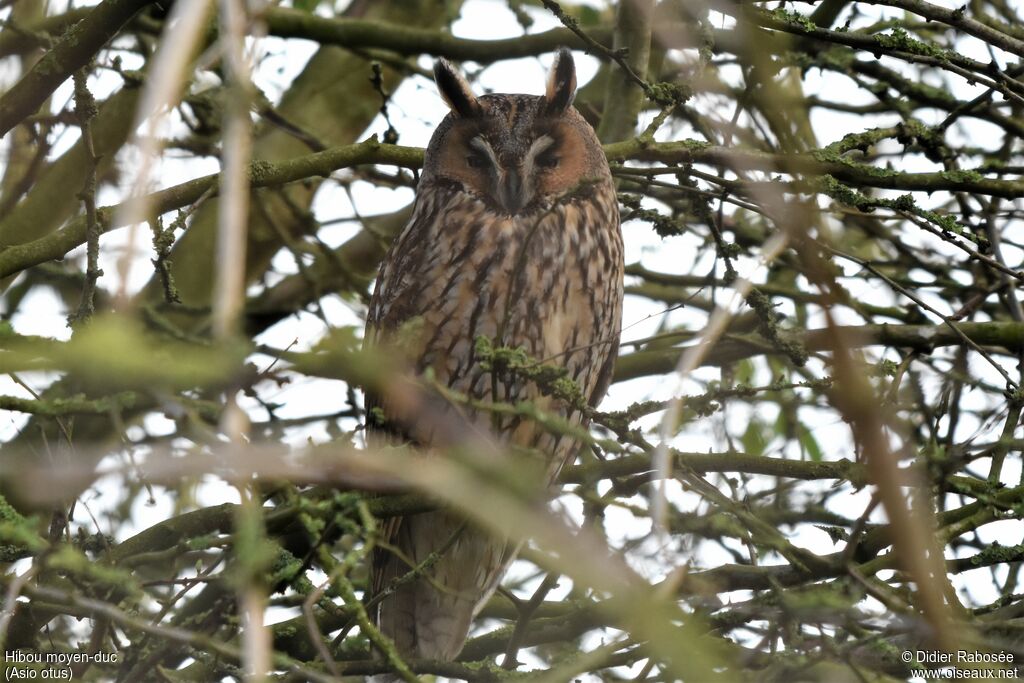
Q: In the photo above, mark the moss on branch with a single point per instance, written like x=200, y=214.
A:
x=69, y=406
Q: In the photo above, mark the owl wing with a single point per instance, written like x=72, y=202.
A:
x=604, y=375
x=397, y=299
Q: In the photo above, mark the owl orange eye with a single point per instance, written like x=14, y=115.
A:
x=476, y=161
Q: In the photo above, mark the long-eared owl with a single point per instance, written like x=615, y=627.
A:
x=514, y=237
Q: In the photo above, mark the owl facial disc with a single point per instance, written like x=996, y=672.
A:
x=516, y=154
x=512, y=177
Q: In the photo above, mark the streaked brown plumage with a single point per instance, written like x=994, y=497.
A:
x=515, y=236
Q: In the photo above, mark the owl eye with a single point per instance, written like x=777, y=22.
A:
x=475, y=160
x=549, y=160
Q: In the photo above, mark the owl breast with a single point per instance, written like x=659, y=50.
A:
x=549, y=282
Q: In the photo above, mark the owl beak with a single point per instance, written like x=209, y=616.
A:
x=512, y=194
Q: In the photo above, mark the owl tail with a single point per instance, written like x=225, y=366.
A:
x=422, y=622
x=428, y=616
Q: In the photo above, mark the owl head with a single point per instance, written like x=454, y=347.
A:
x=516, y=153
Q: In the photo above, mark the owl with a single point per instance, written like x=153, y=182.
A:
x=514, y=237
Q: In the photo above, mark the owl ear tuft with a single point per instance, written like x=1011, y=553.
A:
x=561, y=83
x=455, y=90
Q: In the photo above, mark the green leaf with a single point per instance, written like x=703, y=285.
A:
x=743, y=372
x=753, y=438
x=781, y=426
x=588, y=16
x=809, y=445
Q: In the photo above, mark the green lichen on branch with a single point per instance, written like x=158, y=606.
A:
x=963, y=176
x=670, y=94
x=665, y=226
x=18, y=537
x=100, y=576
x=998, y=554
x=768, y=325
x=163, y=240
x=899, y=39
x=80, y=404
x=907, y=132
x=793, y=17
x=945, y=222
x=831, y=156
x=552, y=380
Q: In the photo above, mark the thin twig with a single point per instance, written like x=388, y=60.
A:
x=85, y=112
x=1011, y=385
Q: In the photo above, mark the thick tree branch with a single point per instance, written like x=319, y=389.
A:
x=1008, y=335
x=261, y=174
x=71, y=53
